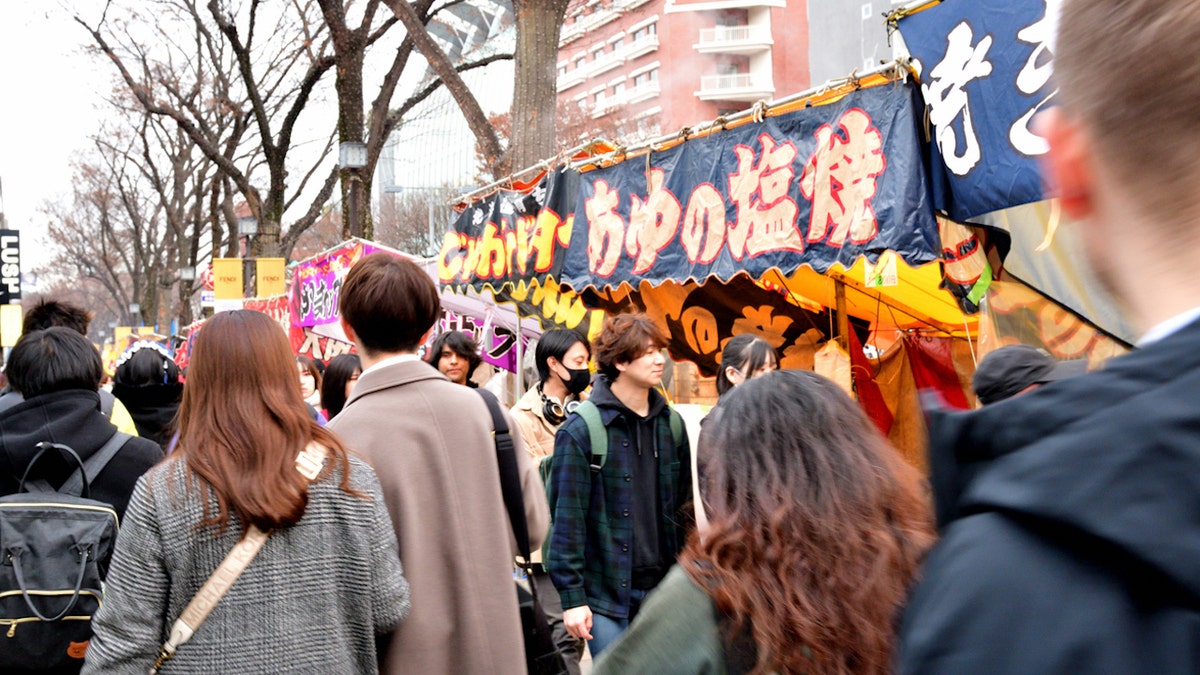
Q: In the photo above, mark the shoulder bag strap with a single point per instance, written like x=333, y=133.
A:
x=510, y=479
x=229, y=570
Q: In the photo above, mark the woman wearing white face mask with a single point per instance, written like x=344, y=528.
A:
x=745, y=357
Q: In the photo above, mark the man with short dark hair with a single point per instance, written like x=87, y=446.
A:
x=430, y=442
x=49, y=313
x=618, y=527
x=1075, y=545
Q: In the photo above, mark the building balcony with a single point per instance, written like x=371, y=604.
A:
x=571, y=78
x=610, y=61
x=736, y=87
x=626, y=5
x=641, y=47
x=734, y=40
x=586, y=24
x=642, y=92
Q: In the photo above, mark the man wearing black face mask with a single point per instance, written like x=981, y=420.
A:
x=561, y=358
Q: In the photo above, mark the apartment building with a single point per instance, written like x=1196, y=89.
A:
x=660, y=65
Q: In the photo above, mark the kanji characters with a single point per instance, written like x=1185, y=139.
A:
x=652, y=223
x=945, y=91
x=840, y=180
x=766, y=216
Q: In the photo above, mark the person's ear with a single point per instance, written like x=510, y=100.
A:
x=348, y=330
x=734, y=375
x=1067, y=166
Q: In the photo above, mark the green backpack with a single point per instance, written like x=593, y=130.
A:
x=598, y=439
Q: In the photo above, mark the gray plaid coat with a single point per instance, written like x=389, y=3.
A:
x=312, y=601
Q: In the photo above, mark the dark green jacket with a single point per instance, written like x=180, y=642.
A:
x=590, y=555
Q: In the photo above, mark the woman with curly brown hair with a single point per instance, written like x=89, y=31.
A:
x=816, y=531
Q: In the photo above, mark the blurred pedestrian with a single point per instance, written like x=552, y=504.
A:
x=341, y=374
x=327, y=580
x=431, y=443
x=310, y=380
x=1012, y=370
x=815, y=533
x=1071, y=543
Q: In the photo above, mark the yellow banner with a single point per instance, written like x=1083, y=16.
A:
x=121, y=336
x=227, y=279
x=270, y=272
x=10, y=325
x=145, y=330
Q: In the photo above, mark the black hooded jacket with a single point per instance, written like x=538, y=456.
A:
x=153, y=408
x=72, y=418
x=1070, y=524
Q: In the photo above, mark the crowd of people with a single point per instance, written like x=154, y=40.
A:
x=281, y=515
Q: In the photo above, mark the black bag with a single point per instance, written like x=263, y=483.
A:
x=55, y=547
x=541, y=653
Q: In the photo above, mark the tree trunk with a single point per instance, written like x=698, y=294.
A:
x=535, y=90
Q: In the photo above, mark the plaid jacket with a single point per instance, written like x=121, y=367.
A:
x=590, y=556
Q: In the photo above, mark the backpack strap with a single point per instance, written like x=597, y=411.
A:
x=510, y=479
x=93, y=465
x=597, y=434
x=676, y=426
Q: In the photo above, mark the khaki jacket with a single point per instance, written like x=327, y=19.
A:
x=536, y=432
x=430, y=443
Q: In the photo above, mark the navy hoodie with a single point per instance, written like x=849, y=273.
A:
x=1070, y=522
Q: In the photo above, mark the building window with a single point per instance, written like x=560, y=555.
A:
x=618, y=88
x=646, y=78
x=579, y=62
x=645, y=31
x=598, y=53
x=562, y=70
x=617, y=44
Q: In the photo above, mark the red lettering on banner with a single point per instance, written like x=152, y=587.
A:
x=766, y=216
x=840, y=180
x=606, y=230
x=705, y=214
x=652, y=224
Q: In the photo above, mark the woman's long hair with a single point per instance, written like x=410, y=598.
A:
x=816, y=527
x=243, y=422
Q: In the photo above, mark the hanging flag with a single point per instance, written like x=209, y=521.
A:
x=10, y=325
x=10, y=267
x=269, y=274
x=985, y=69
x=227, y=279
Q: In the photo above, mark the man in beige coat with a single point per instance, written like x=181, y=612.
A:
x=430, y=443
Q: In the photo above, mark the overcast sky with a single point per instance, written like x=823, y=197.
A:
x=50, y=90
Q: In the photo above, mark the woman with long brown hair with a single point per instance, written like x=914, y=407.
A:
x=815, y=533
x=327, y=580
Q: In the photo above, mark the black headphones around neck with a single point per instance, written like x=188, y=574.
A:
x=555, y=412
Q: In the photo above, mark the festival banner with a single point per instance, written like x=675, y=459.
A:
x=817, y=186
x=497, y=344
x=509, y=236
x=227, y=278
x=985, y=69
x=699, y=319
x=10, y=267
x=316, y=283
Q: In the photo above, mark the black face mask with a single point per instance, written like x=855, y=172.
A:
x=580, y=379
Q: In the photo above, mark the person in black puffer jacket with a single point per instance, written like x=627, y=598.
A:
x=147, y=382
x=58, y=371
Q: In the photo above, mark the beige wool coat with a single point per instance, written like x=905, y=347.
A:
x=430, y=443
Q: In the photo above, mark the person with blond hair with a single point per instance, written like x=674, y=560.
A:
x=1071, y=514
x=327, y=586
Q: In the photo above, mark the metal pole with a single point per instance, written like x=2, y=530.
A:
x=520, y=355
x=843, y=318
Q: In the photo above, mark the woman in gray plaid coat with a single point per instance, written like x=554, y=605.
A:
x=327, y=584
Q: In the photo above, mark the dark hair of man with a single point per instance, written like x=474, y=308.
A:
x=554, y=343
x=47, y=313
x=460, y=344
x=746, y=352
x=390, y=303
x=242, y=423
x=146, y=367
x=338, y=372
x=816, y=530
x=51, y=360
x=625, y=338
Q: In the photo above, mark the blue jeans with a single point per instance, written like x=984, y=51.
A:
x=606, y=630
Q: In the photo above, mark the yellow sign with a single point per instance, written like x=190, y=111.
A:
x=227, y=279
x=145, y=330
x=121, y=336
x=269, y=273
x=10, y=325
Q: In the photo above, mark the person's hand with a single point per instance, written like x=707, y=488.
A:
x=578, y=622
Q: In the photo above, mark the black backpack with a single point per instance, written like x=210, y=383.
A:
x=55, y=547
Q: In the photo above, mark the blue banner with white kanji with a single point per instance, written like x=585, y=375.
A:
x=817, y=186
x=985, y=69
